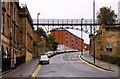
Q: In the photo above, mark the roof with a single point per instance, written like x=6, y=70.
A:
x=24, y=12
x=68, y=32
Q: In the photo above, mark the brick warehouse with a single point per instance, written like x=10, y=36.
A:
x=17, y=35
x=68, y=39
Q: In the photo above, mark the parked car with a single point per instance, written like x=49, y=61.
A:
x=55, y=53
x=44, y=59
x=50, y=54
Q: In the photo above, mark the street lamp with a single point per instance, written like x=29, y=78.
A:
x=94, y=26
x=81, y=37
x=37, y=31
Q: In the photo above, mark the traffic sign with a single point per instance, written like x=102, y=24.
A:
x=109, y=47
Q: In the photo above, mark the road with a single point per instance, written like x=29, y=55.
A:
x=69, y=65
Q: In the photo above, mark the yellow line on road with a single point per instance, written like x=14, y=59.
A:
x=36, y=71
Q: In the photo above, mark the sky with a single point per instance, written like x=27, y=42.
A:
x=67, y=9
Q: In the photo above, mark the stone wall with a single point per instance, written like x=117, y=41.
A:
x=105, y=35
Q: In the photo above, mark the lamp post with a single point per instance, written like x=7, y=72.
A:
x=37, y=31
x=0, y=38
x=81, y=37
x=12, y=53
x=94, y=26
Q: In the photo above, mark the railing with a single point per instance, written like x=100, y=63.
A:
x=69, y=22
x=86, y=25
x=6, y=64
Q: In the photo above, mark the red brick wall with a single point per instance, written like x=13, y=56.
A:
x=68, y=39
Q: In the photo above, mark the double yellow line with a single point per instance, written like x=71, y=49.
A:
x=36, y=71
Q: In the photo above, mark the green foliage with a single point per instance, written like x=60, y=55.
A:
x=40, y=32
x=51, y=42
x=113, y=59
x=35, y=43
x=47, y=43
x=106, y=15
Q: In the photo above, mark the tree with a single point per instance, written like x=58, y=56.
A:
x=40, y=32
x=106, y=15
x=41, y=40
x=51, y=42
x=41, y=45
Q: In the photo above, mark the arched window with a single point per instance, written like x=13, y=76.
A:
x=2, y=49
x=6, y=53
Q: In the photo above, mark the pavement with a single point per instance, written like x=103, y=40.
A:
x=100, y=64
x=24, y=71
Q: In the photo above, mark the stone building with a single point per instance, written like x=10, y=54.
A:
x=26, y=29
x=10, y=32
x=17, y=35
x=106, y=35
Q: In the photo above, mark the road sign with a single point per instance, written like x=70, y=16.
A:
x=93, y=42
x=109, y=47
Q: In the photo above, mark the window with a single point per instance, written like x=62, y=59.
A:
x=66, y=41
x=66, y=36
x=8, y=26
x=16, y=34
x=2, y=49
x=5, y=52
x=14, y=31
x=14, y=14
x=72, y=44
x=2, y=28
x=76, y=42
x=11, y=9
x=8, y=7
x=72, y=40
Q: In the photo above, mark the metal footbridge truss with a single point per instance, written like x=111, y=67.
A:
x=88, y=26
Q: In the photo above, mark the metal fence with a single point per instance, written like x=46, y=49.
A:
x=6, y=64
x=20, y=60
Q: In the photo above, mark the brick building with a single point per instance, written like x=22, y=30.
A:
x=106, y=35
x=68, y=39
x=17, y=34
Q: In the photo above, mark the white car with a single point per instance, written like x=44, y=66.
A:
x=44, y=59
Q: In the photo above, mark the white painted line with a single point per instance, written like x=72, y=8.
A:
x=94, y=66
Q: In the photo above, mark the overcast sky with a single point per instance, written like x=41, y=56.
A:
x=66, y=9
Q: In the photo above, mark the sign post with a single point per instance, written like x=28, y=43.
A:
x=109, y=49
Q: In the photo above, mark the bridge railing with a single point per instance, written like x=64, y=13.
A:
x=69, y=22
x=87, y=24
x=64, y=21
